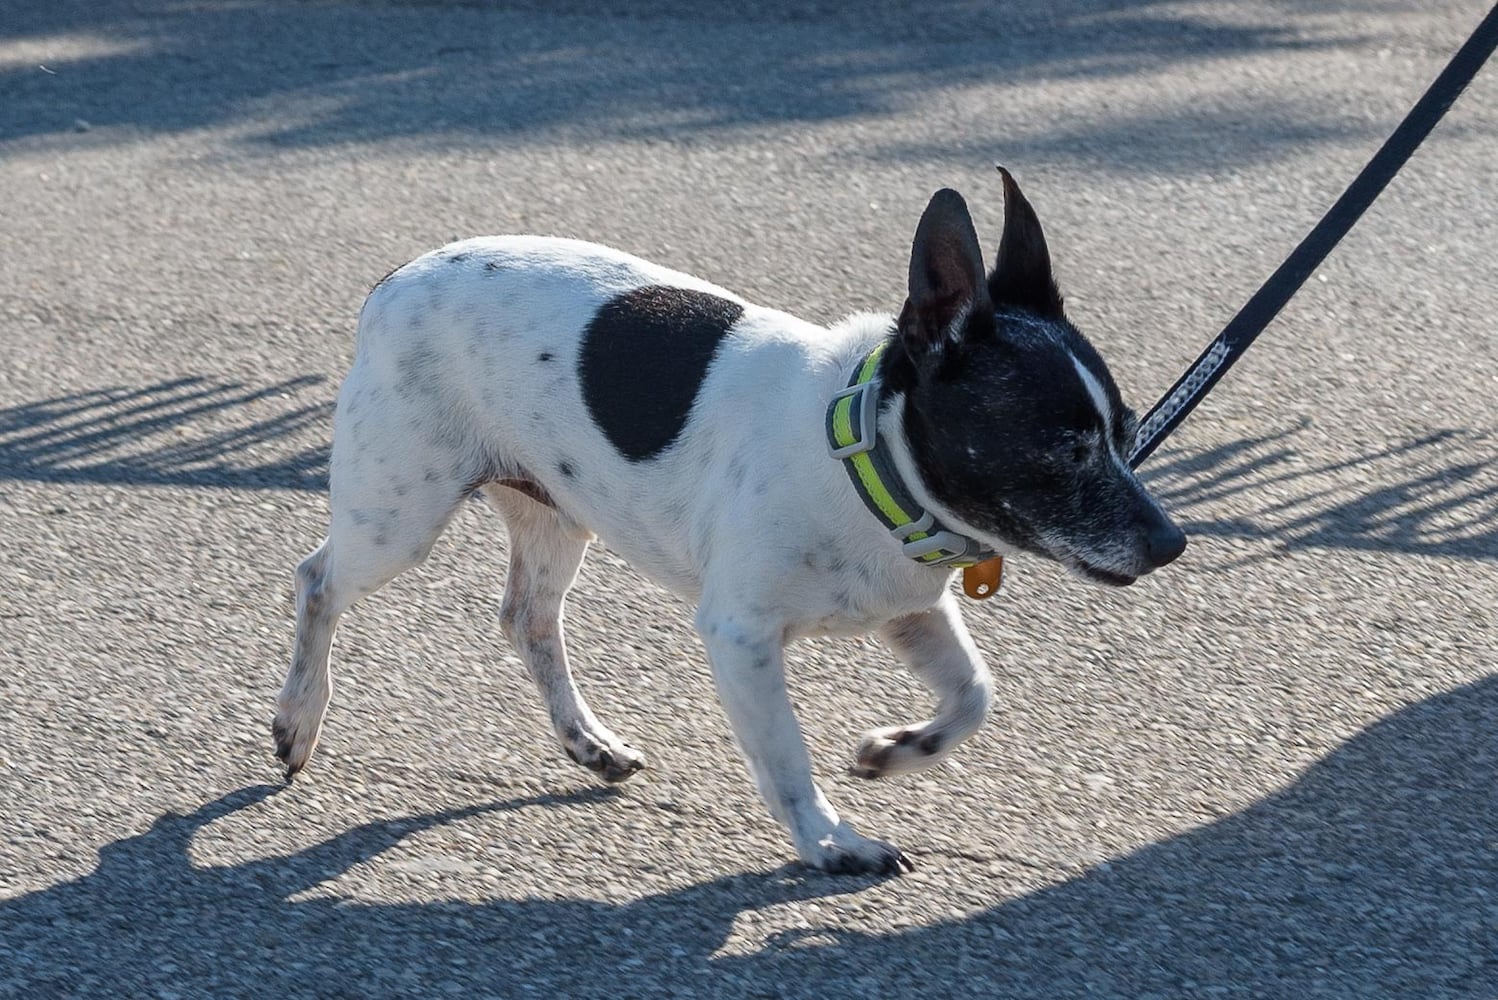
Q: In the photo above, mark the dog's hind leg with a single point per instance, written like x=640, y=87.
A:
x=304, y=696
x=386, y=512
x=545, y=555
x=935, y=645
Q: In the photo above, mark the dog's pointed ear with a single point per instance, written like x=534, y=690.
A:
x=946, y=275
x=1022, y=275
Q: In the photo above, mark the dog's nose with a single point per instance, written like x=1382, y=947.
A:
x=1164, y=543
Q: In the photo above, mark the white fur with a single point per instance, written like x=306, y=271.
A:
x=1094, y=391
x=745, y=514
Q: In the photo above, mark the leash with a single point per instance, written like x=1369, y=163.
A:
x=1271, y=297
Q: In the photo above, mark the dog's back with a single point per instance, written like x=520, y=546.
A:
x=648, y=406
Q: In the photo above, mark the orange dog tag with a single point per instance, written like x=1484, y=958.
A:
x=981, y=581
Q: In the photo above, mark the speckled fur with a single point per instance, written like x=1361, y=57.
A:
x=466, y=379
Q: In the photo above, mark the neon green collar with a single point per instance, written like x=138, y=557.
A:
x=852, y=438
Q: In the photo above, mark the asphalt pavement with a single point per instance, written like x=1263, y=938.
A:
x=1270, y=770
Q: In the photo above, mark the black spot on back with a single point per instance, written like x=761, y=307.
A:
x=643, y=358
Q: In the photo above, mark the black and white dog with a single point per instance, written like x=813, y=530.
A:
x=583, y=391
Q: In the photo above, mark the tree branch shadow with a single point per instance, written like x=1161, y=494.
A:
x=1434, y=494
x=169, y=433
x=453, y=73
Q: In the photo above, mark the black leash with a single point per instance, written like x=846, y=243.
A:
x=1271, y=297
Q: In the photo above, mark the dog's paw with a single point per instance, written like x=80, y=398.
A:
x=898, y=750
x=844, y=852
x=294, y=742
x=613, y=762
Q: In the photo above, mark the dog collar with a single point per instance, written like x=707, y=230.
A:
x=853, y=440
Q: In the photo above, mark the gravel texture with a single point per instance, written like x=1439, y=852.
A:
x=1268, y=771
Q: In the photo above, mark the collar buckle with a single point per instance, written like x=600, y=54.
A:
x=863, y=416
x=948, y=547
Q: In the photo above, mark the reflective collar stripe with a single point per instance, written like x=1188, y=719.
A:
x=861, y=464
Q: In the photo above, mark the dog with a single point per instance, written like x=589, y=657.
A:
x=792, y=480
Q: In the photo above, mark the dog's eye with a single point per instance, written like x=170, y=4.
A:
x=1081, y=452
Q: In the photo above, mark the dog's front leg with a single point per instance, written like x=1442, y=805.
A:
x=935, y=645
x=749, y=670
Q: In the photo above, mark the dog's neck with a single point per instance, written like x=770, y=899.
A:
x=863, y=434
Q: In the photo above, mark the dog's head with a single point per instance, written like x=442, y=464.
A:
x=1011, y=418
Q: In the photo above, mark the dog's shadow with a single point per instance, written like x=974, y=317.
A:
x=148, y=921
x=1374, y=874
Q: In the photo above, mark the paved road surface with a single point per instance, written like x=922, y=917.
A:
x=1267, y=772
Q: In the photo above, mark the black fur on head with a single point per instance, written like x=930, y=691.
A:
x=1012, y=418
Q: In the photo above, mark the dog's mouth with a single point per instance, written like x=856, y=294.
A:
x=1099, y=574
